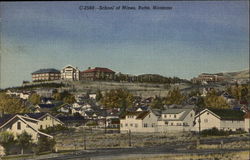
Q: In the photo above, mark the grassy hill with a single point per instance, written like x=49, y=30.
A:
x=237, y=75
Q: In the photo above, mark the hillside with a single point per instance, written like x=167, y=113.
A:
x=136, y=88
x=237, y=75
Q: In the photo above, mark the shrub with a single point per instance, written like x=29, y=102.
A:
x=216, y=132
x=45, y=144
x=6, y=140
x=54, y=129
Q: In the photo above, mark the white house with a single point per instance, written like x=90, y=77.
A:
x=224, y=119
x=24, y=95
x=45, y=120
x=70, y=73
x=18, y=124
x=92, y=96
x=144, y=121
x=176, y=120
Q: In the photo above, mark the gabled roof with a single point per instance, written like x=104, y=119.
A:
x=247, y=115
x=184, y=112
x=228, y=114
x=47, y=70
x=36, y=115
x=46, y=105
x=225, y=114
x=5, y=118
x=98, y=69
x=143, y=114
x=70, y=118
x=70, y=66
x=138, y=114
x=24, y=120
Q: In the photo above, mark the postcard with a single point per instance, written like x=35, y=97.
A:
x=124, y=80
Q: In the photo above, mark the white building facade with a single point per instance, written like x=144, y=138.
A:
x=144, y=121
x=208, y=119
x=70, y=73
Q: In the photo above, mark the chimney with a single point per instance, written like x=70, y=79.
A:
x=89, y=67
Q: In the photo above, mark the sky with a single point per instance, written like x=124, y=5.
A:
x=192, y=38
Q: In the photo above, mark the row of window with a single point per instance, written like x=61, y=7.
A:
x=145, y=125
x=174, y=116
x=177, y=124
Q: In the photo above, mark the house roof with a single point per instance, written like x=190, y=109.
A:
x=228, y=114
x=47, y=70
x=36, y=115
x=5, y=118
x=177, y=111
x=138, y=114
x=46, y=105
x=70, y=118
x=24, y=120
x=225, y=114
x=98, y=69
x=247, y=115
x=142, y=115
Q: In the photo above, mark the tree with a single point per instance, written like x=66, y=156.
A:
x=98, y=95
x=174, y=96
x=212, y=100
x=117, y=98
x=45, y=144
x=69, y=99
x=24, y=140
x=157, y=103
x=11, y=105
x=65, y=96
x=35, y=98
x=6, y=140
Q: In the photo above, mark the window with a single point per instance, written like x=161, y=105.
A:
x=207, y=113
x=136, y=125
x=205, y=120
x=172, y=124
x=153, y=124
x=191, y=115
x=145, y=125
x=121, y=125
x=166, y=123
x=165, y=116
x=131, y=125
x=126, y=124
x=41, y=126
x=18, y=125
x=175, y=116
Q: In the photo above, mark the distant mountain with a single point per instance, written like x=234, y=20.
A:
x=237, y=75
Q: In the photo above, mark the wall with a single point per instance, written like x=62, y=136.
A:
x=232, y=124
x=150, y=120
x=208, y=121
x=24, y=127
x=48, y=121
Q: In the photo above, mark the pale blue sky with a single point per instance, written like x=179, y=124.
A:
x=192, y=38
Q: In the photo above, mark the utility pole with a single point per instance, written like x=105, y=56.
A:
x=129, y=138
x=84, y=138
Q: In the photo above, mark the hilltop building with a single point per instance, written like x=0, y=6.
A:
x=97, y=73
x=46, y=74
x=70, y=73
x=208, y=78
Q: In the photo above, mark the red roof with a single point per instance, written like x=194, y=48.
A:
x=247, y=115
x=96, y=69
